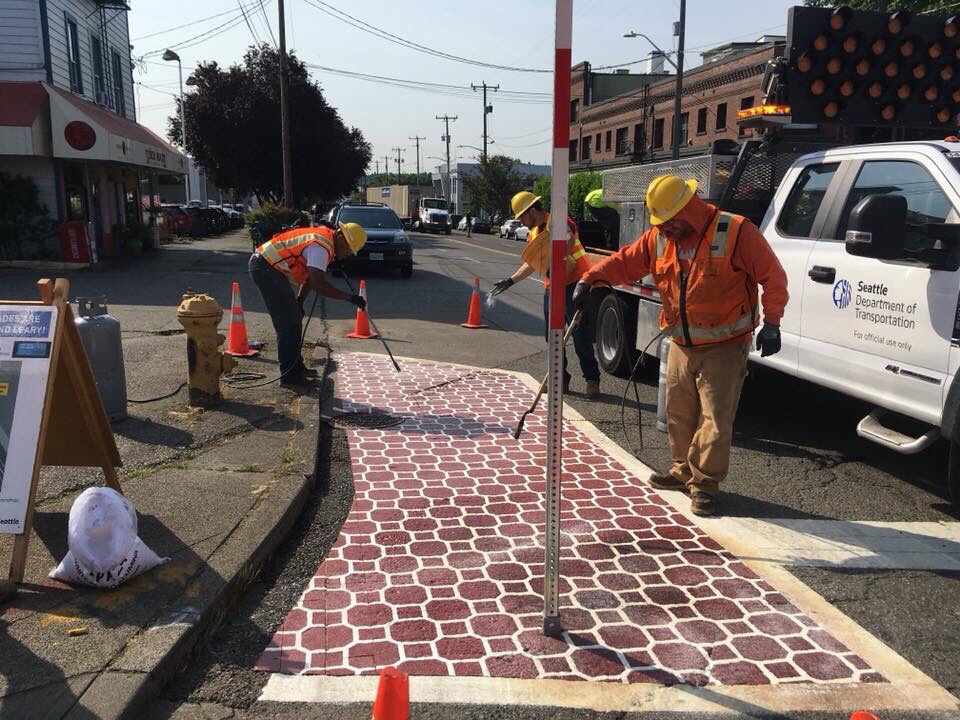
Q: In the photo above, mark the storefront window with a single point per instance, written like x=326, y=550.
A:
x=75, y=193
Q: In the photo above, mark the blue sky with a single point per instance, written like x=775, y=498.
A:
x=514, y=34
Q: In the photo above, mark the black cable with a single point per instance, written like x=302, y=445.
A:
x=161, y=397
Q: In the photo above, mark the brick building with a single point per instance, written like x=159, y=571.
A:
x=621, y=118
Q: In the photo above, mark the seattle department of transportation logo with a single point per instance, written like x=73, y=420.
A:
x=842, y=294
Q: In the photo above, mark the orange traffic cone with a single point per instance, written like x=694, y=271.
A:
x=863, y=715
x=237, y=344
x=361, y=326
x=473, y=314
x=393, y=696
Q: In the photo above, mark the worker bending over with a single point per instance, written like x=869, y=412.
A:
x=707, y=265
x=299, y=257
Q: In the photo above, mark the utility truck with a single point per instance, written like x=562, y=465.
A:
x=868, y=233
x=404, y=200
x=433, y=215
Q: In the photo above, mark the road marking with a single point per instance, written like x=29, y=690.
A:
x=481, y=247
x=849, y=544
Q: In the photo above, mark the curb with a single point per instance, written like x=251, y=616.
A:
x=153, y=656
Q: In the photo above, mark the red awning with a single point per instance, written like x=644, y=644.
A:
x=20, y=103
x=83, y=130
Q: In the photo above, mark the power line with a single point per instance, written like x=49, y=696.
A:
x=185, y=25
x=266, y=21
x=247, y=21
x=204, y=36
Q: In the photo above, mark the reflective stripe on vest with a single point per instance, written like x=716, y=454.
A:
x=284, y=252
x=716, y=290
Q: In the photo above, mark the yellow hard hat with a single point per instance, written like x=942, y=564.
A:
x=522, y=201
x=667, y=195
x=354, y=234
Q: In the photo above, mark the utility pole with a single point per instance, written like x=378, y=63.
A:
x=386, y=166
x=487, y=109
x=285, y=114
x=399, y=150
x=418, y=139
x=679, y=90
x=446, y=121
x=377, y=166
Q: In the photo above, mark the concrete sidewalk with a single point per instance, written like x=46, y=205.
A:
x=215, y=490
x=438, y=570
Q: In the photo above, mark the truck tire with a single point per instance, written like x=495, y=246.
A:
x=616, y=329
x=447, y=231
x=953, y=473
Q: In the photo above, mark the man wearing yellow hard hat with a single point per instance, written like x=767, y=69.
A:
x=528, y=210
x=707, y=265
x=300, y=257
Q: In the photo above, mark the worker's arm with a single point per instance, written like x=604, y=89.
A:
x=625, y=266
x=318, y=283
x=522, y=273
x=756, y=258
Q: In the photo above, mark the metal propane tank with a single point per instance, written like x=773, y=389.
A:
x=100, y=335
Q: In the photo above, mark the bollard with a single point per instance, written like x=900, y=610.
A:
x=662, y=385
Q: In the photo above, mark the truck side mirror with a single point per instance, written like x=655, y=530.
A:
x=877, y=227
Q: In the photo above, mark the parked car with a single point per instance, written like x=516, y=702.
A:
x=387, y=247
x=455, y=219
x=199, y=221
x=521, y=233
x=481, y=226
x=216, y=220
x=509, y=228
x=177, y=218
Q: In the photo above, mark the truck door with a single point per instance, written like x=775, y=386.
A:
x=790, y=227
x=880, y=330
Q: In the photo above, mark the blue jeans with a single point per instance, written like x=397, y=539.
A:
x=582, y=342
x=284, y=311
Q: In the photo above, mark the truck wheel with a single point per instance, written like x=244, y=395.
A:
x=616, y=329
x=447, y=231
x=953, y=472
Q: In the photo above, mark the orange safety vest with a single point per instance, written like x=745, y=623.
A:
x=284, y=251
x=717, y=301
x=578, y=254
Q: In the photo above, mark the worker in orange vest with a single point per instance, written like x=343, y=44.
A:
x=528, y=210
x=707, y=265
x=299, y=257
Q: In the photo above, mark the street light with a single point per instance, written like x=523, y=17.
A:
x=666, y=57
x=170, y=55
x=474, y=147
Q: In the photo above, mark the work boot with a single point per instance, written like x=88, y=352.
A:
x=593, y=388
x=701, y=503
x=666, y=481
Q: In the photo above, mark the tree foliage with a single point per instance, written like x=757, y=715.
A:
x=25, y=225
x=917, y=6
x=496, y=181
x=578, y=186
x=233, y=130
x=405, y=179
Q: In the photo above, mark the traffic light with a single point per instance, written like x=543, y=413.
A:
x=867, y=68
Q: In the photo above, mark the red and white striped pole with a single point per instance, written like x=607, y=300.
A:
x=558, y=253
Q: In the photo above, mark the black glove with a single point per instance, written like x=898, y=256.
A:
x=581, y=295
x=358, y=301
x=501, y=286
x=768, y=339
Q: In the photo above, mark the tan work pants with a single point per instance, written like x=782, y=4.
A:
x=703, y=389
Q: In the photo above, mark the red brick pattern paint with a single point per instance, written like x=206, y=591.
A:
x=438, y=567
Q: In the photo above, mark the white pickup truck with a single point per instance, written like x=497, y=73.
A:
x=869, y=236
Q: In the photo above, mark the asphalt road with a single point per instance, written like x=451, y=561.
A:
x=796, y=455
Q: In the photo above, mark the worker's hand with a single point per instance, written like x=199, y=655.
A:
x=581, y=295
x=501, y=286
x=358, y=301
x=768, y=339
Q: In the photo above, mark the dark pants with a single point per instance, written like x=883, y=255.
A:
x=284, y=311
x=582, y=342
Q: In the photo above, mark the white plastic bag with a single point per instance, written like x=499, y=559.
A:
x=102, y=536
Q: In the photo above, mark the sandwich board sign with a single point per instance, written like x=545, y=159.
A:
x=50, y=410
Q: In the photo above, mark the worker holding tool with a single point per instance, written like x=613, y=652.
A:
x=300, y=257
x=528, y=210
x=707, y=265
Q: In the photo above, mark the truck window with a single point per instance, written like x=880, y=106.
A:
x=803, y=203
x=926, y=202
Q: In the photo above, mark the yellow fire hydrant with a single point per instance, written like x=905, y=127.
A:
x=200, y=315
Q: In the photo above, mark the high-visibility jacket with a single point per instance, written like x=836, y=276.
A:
x=719, y=297
x=284, y=251
x=714, y=301
x=579, y=255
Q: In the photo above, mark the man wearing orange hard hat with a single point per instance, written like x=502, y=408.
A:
x=707, y=265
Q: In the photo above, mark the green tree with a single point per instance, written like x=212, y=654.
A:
x=234, y=121
x=405, y=179
x=917, y=6
x=578, y=186
x=496, y=181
